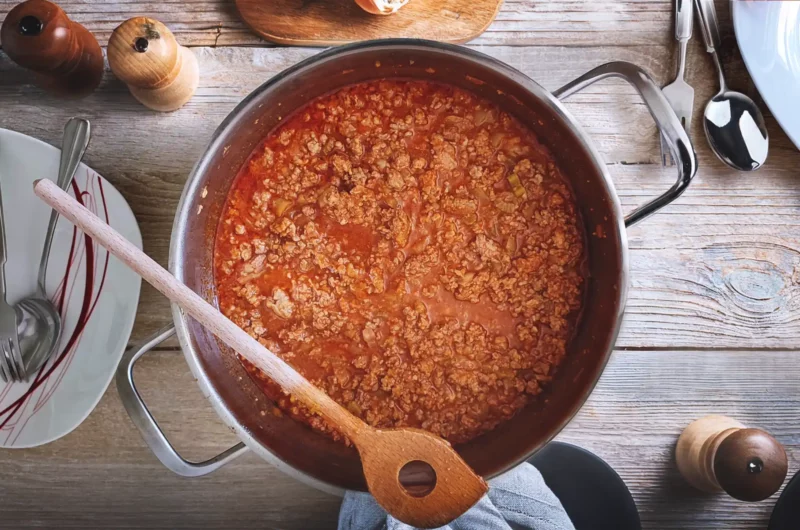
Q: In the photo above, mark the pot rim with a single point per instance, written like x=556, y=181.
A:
x=193, y=187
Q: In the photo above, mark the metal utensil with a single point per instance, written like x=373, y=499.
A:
x=11, y=365
x=40, y=323
x=679, y=93
x=733, y=123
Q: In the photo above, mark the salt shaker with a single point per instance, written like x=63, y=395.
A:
x=717, y=453
x=144, y=54
x=66, y=57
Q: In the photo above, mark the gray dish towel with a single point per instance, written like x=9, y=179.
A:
x=518, y=499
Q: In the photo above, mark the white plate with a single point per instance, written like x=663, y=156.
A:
x=97, y=314
x=768, y=33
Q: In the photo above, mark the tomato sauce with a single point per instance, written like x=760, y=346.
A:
x=412, y=250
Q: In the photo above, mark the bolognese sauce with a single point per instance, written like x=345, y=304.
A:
x=409, y=248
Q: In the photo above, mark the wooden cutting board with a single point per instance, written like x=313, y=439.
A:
x=332, y=22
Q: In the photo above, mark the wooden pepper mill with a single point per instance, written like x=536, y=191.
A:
x=67, y=58
x=144, y=54
x=717, y=453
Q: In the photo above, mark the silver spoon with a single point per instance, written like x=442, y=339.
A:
x=39, y=324
x=734, y=125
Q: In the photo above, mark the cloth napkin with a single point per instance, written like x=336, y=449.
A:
x=518, y=499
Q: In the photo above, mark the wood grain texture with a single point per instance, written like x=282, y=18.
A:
x=160, y=73
x=102, y=475
x=696, y=446
x=717, y=453
x=646, y=398
x=37, y=34
x=742, y=452
x=455, y=486
x=303, y=23
x=719, y=268
x=519, y=22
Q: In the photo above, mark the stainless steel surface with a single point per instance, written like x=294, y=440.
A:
x=709, y=26
x=40, y=326
x=77, y=132
x=11, y=365
x=148, y=427
x=5, y=372
x=676, y=137
x=733, y=122
x=315, y=458
x=39, y=330
x=679, y=93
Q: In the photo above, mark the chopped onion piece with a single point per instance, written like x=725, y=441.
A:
x=516, y=185
x=281, y=205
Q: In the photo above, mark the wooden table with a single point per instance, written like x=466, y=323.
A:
x=712, y=320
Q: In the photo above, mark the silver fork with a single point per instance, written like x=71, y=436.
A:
x=679, y=94
x=11, y=366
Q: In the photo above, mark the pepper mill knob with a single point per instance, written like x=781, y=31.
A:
x=39, y=36
x=144, y=54
x=717, y=453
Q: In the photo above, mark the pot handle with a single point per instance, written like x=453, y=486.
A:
x=668, y=123
x=148, y=427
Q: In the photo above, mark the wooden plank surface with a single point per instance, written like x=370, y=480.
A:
x=716, y=269
x=712, y=319
x=520, y=22
x=102, y=475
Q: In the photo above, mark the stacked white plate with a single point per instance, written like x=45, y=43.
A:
x=768, y=33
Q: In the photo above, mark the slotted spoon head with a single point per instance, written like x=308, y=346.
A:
x=454, y=487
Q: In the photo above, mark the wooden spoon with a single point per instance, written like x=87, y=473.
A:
x=384, y=452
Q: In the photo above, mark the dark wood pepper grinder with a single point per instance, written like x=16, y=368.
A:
x=717, y=453
x=37, y=35
x=144, y=54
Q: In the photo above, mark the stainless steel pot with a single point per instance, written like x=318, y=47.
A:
x=292, y=446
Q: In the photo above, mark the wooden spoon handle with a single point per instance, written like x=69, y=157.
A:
x=384, y=453
x=206, y=314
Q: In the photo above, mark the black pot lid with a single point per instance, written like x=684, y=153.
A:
x=592, y=493
x=786, y=515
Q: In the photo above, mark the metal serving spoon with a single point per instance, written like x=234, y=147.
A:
x=734, y=125
x=38, y=321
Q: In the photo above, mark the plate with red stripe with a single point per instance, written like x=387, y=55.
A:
x=96, y=295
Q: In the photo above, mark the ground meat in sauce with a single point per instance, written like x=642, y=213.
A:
x=410, y=249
